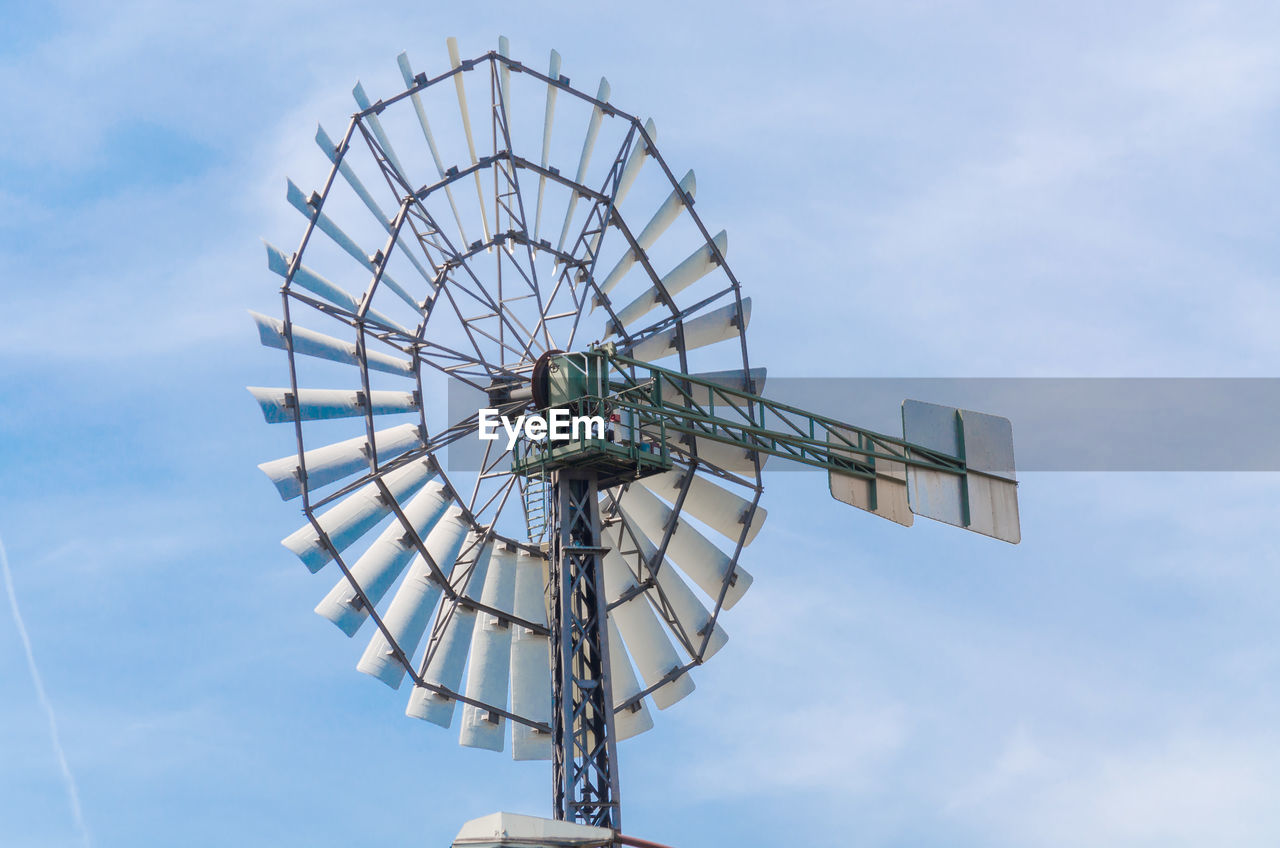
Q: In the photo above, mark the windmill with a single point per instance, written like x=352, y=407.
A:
x=555, y=593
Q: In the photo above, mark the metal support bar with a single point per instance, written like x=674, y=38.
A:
x=705, y=409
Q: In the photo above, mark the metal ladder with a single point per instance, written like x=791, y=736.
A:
x=537, y=504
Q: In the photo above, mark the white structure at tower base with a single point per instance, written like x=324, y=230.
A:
x=510, y=830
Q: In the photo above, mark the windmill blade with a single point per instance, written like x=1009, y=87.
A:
x=588, y=145
x=279, y=405
x=530, y=663
x=694, y=553
x=714, y=326
x=410, y=610
x=631, y=170
x=737, y=379
x=377, y=569
x=318, y=285
x=375, y=124
x=330, y=149
x=699, y=263
x=310, y=343
x=636, y=719
x=711, y=401
x=547, y=120
x=333, y=462
x=689, y=613
x=455, y=62
x=504, y=80
x=326, y=144
x=657, y=225
x=710, y=503
x=450, y=660
x=732, y=458
x=300, y=202
x=407, y=72
x=310, y=280
x=490, y=666
x=356, y=514
x=635, y=161
x=647, y=642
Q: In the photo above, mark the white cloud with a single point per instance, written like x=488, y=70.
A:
x=1187, y=788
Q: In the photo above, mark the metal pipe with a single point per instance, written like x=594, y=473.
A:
x=638, y=843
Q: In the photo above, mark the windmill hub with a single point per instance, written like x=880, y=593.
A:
x=509, y=393
x=624, y=450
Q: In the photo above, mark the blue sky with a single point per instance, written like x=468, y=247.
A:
x=912, y=189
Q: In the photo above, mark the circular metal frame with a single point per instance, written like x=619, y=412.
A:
x=482, y=311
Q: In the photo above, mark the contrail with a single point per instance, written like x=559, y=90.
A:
x=68, y=779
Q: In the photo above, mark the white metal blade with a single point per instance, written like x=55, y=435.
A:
x=490, y=666
x=700, y=263
x=331, y=150
x=410, y=610
x=299, y=201
x=689, y=612
x=316, y=284
x=635, y=161
x=630, y=171
x=455, y=61
x=356, y=514
x=693, y=552
x=736, y=379
x=723, y=456
x=712, y=504
x=504, y=80
x=450, y=660
x=333, y=462
x=547, y=120
x=643, y=634
x=375, y=124
x=658, y=224
x=635, y=719
x=668, y=211
x=726, y=457
x=406, y=71
x=280, y=406
x=311, y=343
x=377, y=569
x=715, y=326
x=278, y=262
x=530, y=663
x=588, y=145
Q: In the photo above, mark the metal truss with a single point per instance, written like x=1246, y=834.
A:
x=582, y=735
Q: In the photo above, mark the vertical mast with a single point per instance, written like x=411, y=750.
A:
x=584, y=747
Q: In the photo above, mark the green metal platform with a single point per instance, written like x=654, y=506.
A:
x=615, y=462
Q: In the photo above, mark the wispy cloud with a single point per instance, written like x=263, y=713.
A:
x=68, y=778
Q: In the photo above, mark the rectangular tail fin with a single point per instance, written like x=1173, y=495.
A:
x=985, y=498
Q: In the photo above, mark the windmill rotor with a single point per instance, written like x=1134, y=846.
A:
x=551, y=592
x=470, y=225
